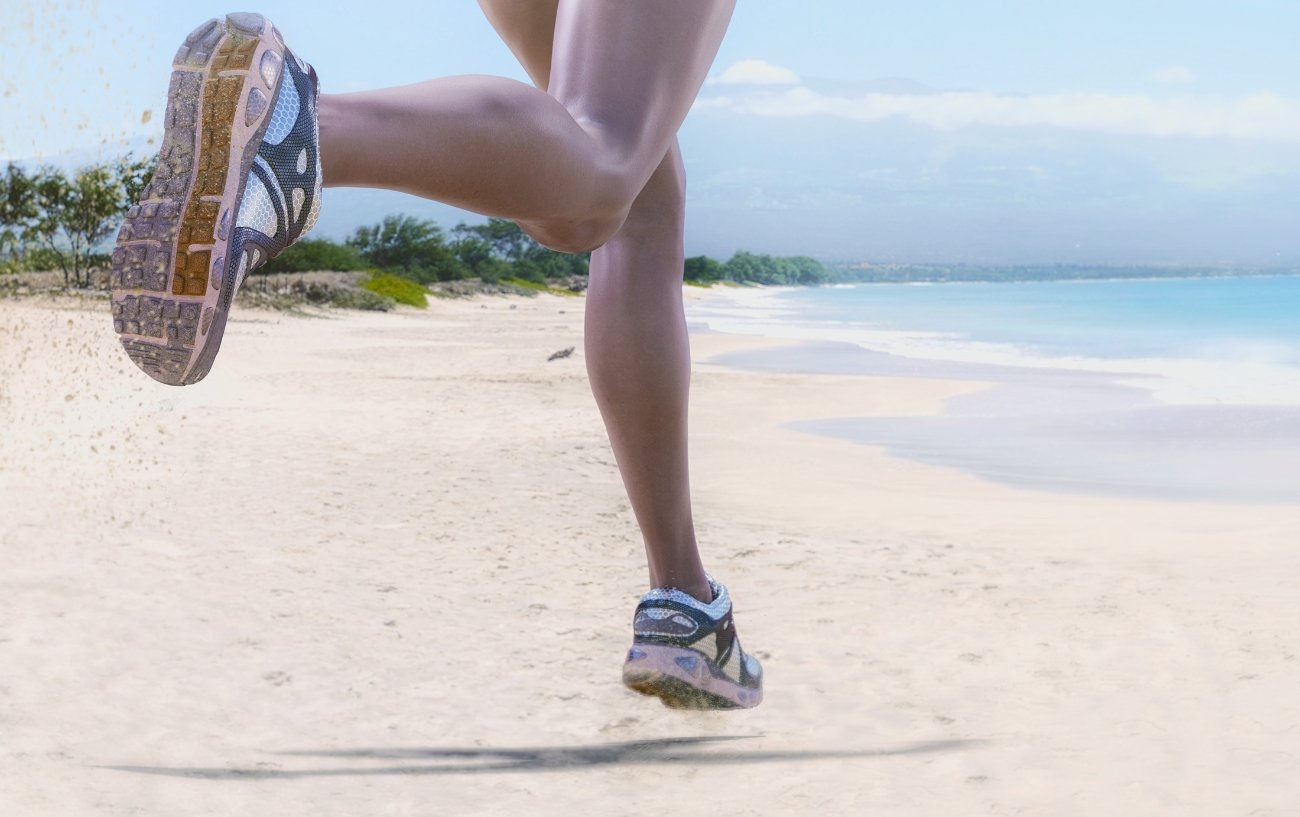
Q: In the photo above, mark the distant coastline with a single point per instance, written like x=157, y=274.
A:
x=970, y=273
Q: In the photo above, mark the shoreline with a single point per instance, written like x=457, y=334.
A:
x=1164, y=428
x=1172, y=379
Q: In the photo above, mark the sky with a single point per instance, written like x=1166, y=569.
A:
x=1017, y=132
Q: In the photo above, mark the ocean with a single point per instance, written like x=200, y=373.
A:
x=1170, y=388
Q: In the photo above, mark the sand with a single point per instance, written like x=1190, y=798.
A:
x=383, y=565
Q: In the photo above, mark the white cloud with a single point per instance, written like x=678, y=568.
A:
x=713, y=102
x=1174, y=75
x=1261, y=116
x=756, y=72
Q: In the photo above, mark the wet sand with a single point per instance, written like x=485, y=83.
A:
x=1064, y=430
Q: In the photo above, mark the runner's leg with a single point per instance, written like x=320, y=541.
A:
x=638, y=357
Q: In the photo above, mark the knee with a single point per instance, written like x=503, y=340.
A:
x=573, y=235
x=594, y=217
x=625, y=207
x=659, y=212
x=655, y=214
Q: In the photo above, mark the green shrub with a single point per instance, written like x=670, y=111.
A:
x=535, y=286
x=526, y=270
x=410, y=247
x=40, y=259
x=493, y=271
x=702, y=268
x=362, y=299
x=293, y=295
x=402, y=290
x=314, y=254
x=523, y=283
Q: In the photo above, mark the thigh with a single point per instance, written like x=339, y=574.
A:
x=629, y=71
x=528, y=29
x=613, y=75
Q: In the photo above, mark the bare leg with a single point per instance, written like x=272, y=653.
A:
x=639, y=364
x=567, y=162
x=638, y=356
x=487, y=144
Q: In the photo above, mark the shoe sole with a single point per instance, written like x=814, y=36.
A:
x=171, y=282
x=683, y=679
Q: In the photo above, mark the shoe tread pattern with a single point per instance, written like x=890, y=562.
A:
x=162, y=267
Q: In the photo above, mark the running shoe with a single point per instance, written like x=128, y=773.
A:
x=686, y=652
x=237, y=181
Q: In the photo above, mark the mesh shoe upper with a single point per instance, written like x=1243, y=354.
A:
x=281, y=200
x=669, y=616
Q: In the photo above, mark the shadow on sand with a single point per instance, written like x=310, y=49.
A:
x=543, y=759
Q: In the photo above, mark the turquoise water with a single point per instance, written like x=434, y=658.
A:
x=1165, y=388
x=1187, y=317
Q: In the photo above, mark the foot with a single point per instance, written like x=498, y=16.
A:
x=237, y=181
x=686, y=652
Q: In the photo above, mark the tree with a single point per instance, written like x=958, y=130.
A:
x=505, y=238
x=562, y=264
x=808, y=270
x=523, y=257
x=71, y=217
x=52, y=194
x=75, y=215
x=743, y=266
x=768, y=269
x=410, y=247
x=134, y=176
x=476, y=256
x=702, y=268
x=17, y=208
x=313, y=254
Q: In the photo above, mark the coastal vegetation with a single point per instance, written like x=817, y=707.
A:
x=498, y=251
x=400, y=290
x=51, y=219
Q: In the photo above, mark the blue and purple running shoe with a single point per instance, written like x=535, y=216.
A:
x=237, y=181
x=686, y=652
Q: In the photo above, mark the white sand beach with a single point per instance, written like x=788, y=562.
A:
x=382, y=564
